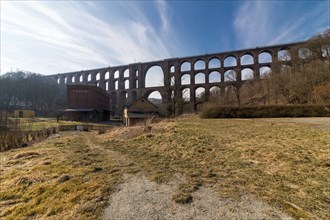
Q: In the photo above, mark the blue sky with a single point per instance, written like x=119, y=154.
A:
x=49, y=37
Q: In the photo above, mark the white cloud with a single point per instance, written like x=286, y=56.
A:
x=164, y=14
x=57, y=33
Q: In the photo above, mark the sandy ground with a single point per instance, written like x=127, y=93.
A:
x=140, y=198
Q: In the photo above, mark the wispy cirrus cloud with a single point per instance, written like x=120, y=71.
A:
x=318, y=18
x=267, y=22
x=164, y=13
x=252, y=22
x=55, y=37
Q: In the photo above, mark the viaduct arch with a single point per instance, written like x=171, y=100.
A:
x=127, y=83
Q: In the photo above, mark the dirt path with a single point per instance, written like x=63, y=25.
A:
x=140, y=198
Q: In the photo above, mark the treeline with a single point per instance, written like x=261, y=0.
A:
x=31, y=91
x=302, y=76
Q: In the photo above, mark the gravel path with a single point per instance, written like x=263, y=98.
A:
x=140, y=198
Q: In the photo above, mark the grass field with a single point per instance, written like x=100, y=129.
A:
x=72, y=176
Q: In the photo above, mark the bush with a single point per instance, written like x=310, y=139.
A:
x=267, y=111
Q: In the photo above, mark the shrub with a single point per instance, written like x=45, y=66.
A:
x=266, y=111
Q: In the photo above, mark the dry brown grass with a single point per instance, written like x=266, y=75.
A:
x=71, y=177
x=284, y=164
x=61, y=178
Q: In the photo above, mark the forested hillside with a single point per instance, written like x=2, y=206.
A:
x=29, y=90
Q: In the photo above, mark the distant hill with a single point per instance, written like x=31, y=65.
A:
x=157, y=102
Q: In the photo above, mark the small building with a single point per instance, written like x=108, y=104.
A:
x=24, y=113
x=139, y=111
x=87, y=102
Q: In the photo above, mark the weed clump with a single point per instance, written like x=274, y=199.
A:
x=102, y=131
x=97, y=169
x=26, y=155
x=182, y=198
x=64, y=178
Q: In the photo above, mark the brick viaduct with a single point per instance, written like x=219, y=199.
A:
x=194, y=74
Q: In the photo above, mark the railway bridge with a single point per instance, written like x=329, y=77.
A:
x=193, y=75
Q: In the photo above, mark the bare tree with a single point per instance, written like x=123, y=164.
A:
x=176, y=98
x=235, y=89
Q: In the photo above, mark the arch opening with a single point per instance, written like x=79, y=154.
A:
x=265, y=57
x=304, y=53
x=214, y=63
x=247, y=59
x=98, y=76
x=126, y=73
x=200, y=94
x=155, y=98
x=247, y=74
x=215, y=92
x=325, y=51
x=230, y=75
x=284, y=55
x=116, y=74
x=107, y=75
x=172, y=69
x=230, y=61
x=186, y=66
x=199, y=65
x=116, y=85
x=199, y=78
x=185, y=79
x=126, y=84
x=154, y=77
x=186, y=95
x=264, y=71
x=214, y=76
x=172, y=81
